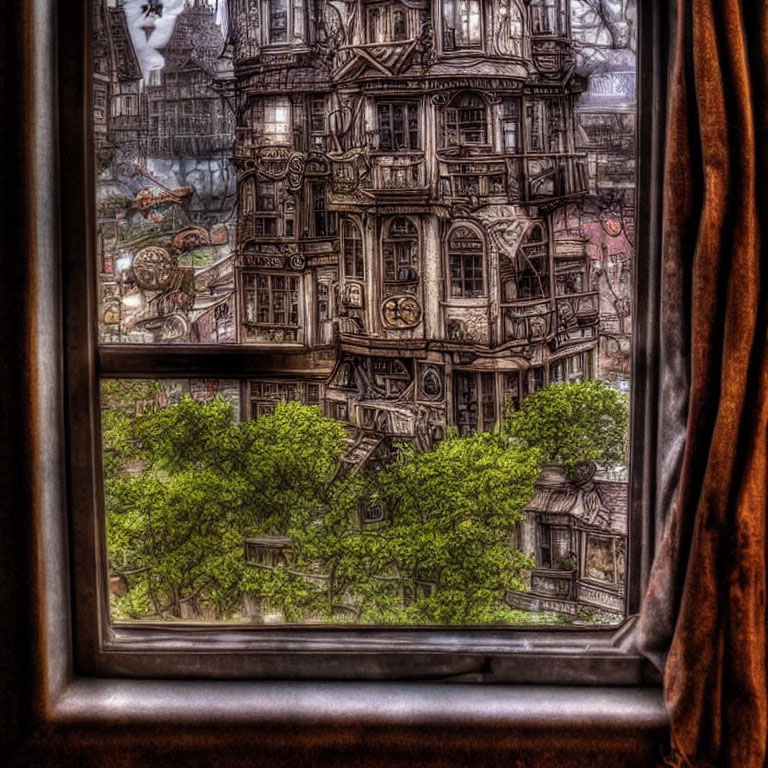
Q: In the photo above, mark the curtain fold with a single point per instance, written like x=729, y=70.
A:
x=704, y=616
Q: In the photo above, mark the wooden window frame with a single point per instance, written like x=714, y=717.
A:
x=85, y=689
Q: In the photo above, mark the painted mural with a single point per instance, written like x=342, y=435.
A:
x=429, y=209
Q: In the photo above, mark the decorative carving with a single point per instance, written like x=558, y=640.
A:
x=152, y=267
x=401, y=312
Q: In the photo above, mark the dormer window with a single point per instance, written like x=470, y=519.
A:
x=461, y=24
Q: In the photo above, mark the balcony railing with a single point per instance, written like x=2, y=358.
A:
x=528, y=322
x=553, y=583
x=399, y=173
x=581, y=309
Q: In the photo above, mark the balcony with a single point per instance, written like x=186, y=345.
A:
x=551, y=56
x=580, y=309
x=528, y=322
x=252, y=143
x=553, y=583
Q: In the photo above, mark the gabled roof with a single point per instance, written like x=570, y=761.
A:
x=197, y=37
x=597, y=504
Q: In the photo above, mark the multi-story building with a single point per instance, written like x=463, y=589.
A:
x=402, y=171
x=118, y=114
x=605, y=118
x=188, y=116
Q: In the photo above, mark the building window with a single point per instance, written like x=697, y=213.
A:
x=277, y=121
x=401, y=251
x=604, y=559
x=465, y=122
x=466, y=257
x=555, y=551
x=474, y=401
x=549, y=17
x=352, y=246
x=265, y=395
x=510, y=125
x=278, y=21
x=399, y=30
x=271, y=300
x=317, y=126
x=398, y=126
x=259, y=209
x=324, y=221
x=461, y=24
x=530, y=279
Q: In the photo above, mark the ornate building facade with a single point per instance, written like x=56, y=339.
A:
x=187, y=116
x=118, y=100
x=404, y=174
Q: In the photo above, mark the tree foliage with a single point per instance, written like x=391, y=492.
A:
x=187, y=484
x=574, y=424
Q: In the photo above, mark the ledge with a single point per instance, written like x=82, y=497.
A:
x=249, y=723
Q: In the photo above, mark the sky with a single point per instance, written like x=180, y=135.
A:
x=146, y=50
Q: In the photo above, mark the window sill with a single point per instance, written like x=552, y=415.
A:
x=341, y=723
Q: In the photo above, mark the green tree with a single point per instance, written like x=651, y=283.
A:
x=185, y=485
x=452, y=513
x=574, y=424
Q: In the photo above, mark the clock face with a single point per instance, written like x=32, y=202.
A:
x=401, y=312
x=152, y=267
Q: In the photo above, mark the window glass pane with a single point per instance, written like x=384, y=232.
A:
x=165, y=185
x=443, y=276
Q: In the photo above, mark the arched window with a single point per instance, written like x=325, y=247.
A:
x=461, y=24
x=352, y=247
x=465, y=122
x=400, y=250
x=466, y=257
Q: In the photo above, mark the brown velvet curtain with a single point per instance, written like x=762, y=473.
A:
x=704, y=616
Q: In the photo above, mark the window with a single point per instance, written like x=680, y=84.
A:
x=272, y=300
x=259, y=214
x=461, y=24
x=317, y=121
x=352, y=243
x=400, y=251
x=555, y=548
x=475, y=402
x=465, y=122
x=207, y=702
x=466, y=258
x=277, y=121
x=278, y=21
x=510, y=125
x=531, y=276
x=548, y=17
x=398, y=126
x=323, y=220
